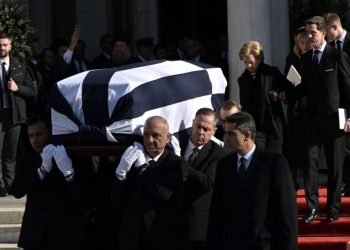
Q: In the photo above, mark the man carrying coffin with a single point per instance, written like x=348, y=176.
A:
x=152, y=214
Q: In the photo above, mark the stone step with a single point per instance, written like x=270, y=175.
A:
x=9, y=233
x=8, y=246
x=11, y=215
x=11, y=210
x=10, y=201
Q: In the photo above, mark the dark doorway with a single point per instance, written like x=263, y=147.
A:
x=204, y=19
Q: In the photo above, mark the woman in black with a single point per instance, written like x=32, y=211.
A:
x=260, y=88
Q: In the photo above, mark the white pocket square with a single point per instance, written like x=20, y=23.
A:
x=326, y=70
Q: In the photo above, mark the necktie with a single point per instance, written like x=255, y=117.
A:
x=80, y=66
x=315, y=57
x=339, y=44
x=152, y=163
x=315, y=64
x=4, y=86
x=193, y=156
x=242, y=169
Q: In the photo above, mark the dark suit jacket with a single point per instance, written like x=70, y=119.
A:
x=54, y=207
x=72, y=69
x=271, y=119
x=198, y=190
x=346, y=45
x=101, y=62
x=328, y=88
x=153, y=206
x=259, y=213
x=18, y=99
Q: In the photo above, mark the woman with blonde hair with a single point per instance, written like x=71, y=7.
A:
x=296, y=107
x=301, y=46
x=260, y=86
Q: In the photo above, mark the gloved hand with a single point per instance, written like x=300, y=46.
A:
x=176, y=145
x=46, y=157
x=64, y=163
x=217, y=141
x=128, y=158
x=141, y=160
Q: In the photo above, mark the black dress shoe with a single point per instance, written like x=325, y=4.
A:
x=332, y=215
x=345, y=192
x=312, y=215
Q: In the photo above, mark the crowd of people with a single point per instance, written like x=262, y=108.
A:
x=233, y=185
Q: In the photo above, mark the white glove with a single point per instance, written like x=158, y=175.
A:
x=176, y=145
x=217, y=141
x=64, y=163
x=141, y=160
x=46, y=157
x=128, y=158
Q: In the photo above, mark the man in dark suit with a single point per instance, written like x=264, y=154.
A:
x=104, y=59
x=253, y=205
x=228, y=108
x=79, y=63
x=152, y=215
x=326, y=83
x=340, y=39
x=202, y=155
x=144, y=50
x=53, y=216
x=16, y=85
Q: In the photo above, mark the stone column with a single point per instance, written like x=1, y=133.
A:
x=94, y=16
x=263, y=20
x=40, y=15
x=145, y=19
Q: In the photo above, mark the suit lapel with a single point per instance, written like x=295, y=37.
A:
x=150, y=215
x=346, y=42
x=203, y=153
x=162, y=157
x=232, y=175
x=324, y=59
x=252, y=169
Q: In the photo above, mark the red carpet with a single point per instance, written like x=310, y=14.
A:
x=324, y=243
x=320, y=234
x=344, y=209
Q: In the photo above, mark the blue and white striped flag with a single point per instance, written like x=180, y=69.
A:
x=112, y=104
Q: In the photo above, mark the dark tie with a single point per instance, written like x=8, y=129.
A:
x=315, y=63
x=4, y=97
x=315, y=57
x=242, y=169
x=339, y=44
x=152, y=163
x=193, y=156
x=80, y=66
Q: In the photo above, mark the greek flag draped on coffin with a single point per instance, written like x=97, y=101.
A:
x=112, y=104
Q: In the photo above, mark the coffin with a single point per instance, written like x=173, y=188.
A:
x=101, y=111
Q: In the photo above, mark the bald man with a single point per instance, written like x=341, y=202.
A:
x=153, y=179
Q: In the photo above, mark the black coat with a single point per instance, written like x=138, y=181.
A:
x=153, y=205
x=101, y=62
x=329, y=88
x=259, y=213
x=18, y=99
x=198, y=190
x=267, y=113
x=53, y=217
